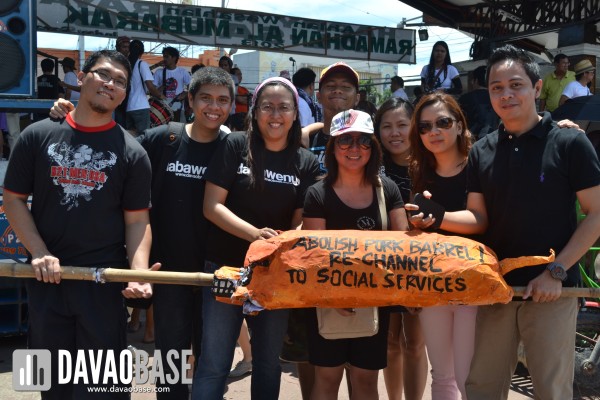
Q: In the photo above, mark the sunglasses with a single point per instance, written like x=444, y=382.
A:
x=440, y=123
x=345, y=142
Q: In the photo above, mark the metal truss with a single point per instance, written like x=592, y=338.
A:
x=510, y=20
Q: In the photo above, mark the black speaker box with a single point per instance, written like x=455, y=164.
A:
x=17, y=48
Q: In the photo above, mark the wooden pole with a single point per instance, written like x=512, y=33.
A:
x=17, y=270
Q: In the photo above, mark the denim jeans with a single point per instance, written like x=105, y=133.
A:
x=177, y=326
x=222, y=324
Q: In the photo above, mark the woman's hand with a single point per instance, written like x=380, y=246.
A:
x=61, y=108
x=419, y=220
x=265, y=233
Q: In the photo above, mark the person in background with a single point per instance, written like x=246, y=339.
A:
x=70, y=79
x=82, y=222
x=244, y=366
x=122, y=45
x=406, y=370
x=440, y=74
x=245, y=205
x=584, y=76
x=345, y=199
x=48, y=86
x=242, y=98
x=477, y=107
x=304, y=80
x=555, y=82
x=397, y=87
x=364, y=104
x=138, y=108
x=172, y=80
x=226, y=63
x=440, y=144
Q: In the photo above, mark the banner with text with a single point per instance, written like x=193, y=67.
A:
x=221, y=27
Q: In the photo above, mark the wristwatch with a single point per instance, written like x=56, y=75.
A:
x=557, y=271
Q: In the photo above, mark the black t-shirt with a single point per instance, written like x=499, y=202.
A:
x=179, y=228
x=287, y=176
x=322, y=202
x=399, y=174
x=317, y=145
x=529, y=184
x=81, y=179
x=480, y=114
x=48, y=87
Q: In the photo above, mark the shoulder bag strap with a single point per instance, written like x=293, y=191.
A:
x=381, y=202
x=164, y=82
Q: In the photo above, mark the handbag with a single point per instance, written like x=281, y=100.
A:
x=365, y=321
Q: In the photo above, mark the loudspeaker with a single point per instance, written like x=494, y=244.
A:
x=17, y=48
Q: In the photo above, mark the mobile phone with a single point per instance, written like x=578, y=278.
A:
x=428, y=206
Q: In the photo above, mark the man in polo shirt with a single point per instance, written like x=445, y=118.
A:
x=555, y=82
x=523, y=181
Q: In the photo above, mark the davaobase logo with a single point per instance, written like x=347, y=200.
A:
x=32, y=369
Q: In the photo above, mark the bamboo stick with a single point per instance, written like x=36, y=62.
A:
x=18, y=270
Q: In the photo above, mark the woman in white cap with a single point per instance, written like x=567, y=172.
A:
x=584, y=75
x=347, y=198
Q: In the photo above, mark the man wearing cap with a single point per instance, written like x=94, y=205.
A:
x=338, y=91
x=584, y=75
x=555, y=82
x=122, y=45
x=70, y=82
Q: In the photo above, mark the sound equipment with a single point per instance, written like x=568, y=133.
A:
x=17, y=48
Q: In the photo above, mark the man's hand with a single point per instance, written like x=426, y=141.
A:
x=138, y=290
x=46, y=268
x=61, y=108
x=544, y=288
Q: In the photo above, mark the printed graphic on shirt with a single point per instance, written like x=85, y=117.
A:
x=271, y=176
x=319, y=151
x=365, y=223
x=79, y=171
x=186, y=170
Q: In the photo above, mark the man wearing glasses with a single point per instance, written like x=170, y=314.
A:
x=90, y=182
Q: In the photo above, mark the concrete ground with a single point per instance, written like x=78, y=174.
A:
x=237, y=389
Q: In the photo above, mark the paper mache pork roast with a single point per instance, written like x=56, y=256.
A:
x=350, y=268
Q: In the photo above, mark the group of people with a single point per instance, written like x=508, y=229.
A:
x=189, y=197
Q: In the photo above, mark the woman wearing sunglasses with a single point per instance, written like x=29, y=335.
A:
x=346, y=199
x=440, y=146
x=255, y=186
x=407, y=360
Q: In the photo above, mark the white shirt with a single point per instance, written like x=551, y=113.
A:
x=306, y=117
x=400, y=93
x=138, y=100
x=576, y=89
x=71, y=79
x=444, y=79
x=177, y=80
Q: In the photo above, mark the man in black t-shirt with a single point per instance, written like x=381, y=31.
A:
x=90, y=187
x=522, y=184
x=338, y=91
x=476, y=105
x=48, y=86
x=180, y=155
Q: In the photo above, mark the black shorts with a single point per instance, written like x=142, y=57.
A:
x=366, y=353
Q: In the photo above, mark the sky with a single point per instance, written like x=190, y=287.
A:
x=372, y=12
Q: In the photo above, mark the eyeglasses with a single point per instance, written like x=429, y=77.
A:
x=440, y=123
x=344, y=142
x=209, y=100
x=281, y=109
x=107, y=78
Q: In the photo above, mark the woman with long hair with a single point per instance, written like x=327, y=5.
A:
x=255, y=186
x=440, y=74
x=406, y=369
x=440, y=144
x=347, y=199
